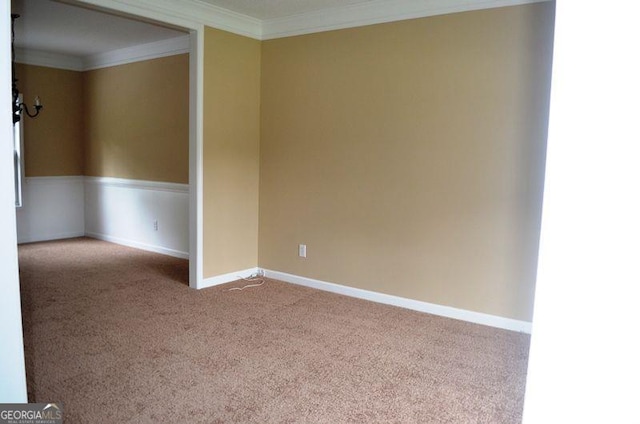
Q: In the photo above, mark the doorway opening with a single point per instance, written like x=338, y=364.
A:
x=160, y=214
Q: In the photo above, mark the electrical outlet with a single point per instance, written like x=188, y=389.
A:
x=302, y=250
x=155, y=225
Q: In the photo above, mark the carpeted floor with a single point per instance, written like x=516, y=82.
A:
x=117, y=336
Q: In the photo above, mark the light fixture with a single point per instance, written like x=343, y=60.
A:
x=18, y=106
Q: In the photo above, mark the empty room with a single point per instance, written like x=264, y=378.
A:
x=278, y=211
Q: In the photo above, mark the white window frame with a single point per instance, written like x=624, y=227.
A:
x=18, y=159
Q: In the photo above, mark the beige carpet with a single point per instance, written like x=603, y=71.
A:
x=117, y=336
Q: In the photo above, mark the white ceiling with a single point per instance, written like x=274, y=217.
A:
x=54, y=27
x=68, y=29
x=62, y=27
x=273, y=9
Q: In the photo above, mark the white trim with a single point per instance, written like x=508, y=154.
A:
x=416, y=305
x=138, y=184
x=148, y=51
x=373, y=12
x=138, y=245
x=48, y=59
x=227, y=278
x=196, y=143
x=210, y=15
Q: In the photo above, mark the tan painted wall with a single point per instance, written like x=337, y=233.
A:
x=231, y=150
x=137, y=120
x=409, y=156
x=53, y=141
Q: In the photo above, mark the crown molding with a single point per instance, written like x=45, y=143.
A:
x=215, y=17
x=157, y=49
x=374, y=12
x=49, y=60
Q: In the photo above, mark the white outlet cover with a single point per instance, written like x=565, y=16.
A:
x=302, y=250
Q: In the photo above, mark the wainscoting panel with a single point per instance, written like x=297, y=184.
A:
x=147, y=215
x=53, y=208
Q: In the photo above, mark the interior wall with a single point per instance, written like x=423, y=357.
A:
x=53, y=141
x=137, y=120
x=409, y=156
x=231, y=152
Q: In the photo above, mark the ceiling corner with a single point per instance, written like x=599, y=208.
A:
x=374, y=12
x=198, y=12
x=211, y=15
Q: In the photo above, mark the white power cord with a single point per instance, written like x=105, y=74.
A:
x=254, y=277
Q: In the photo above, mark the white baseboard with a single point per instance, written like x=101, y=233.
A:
x=227, y=278
x=416, y=305
x=138, y=245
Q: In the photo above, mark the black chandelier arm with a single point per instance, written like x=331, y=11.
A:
x=25, y=109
